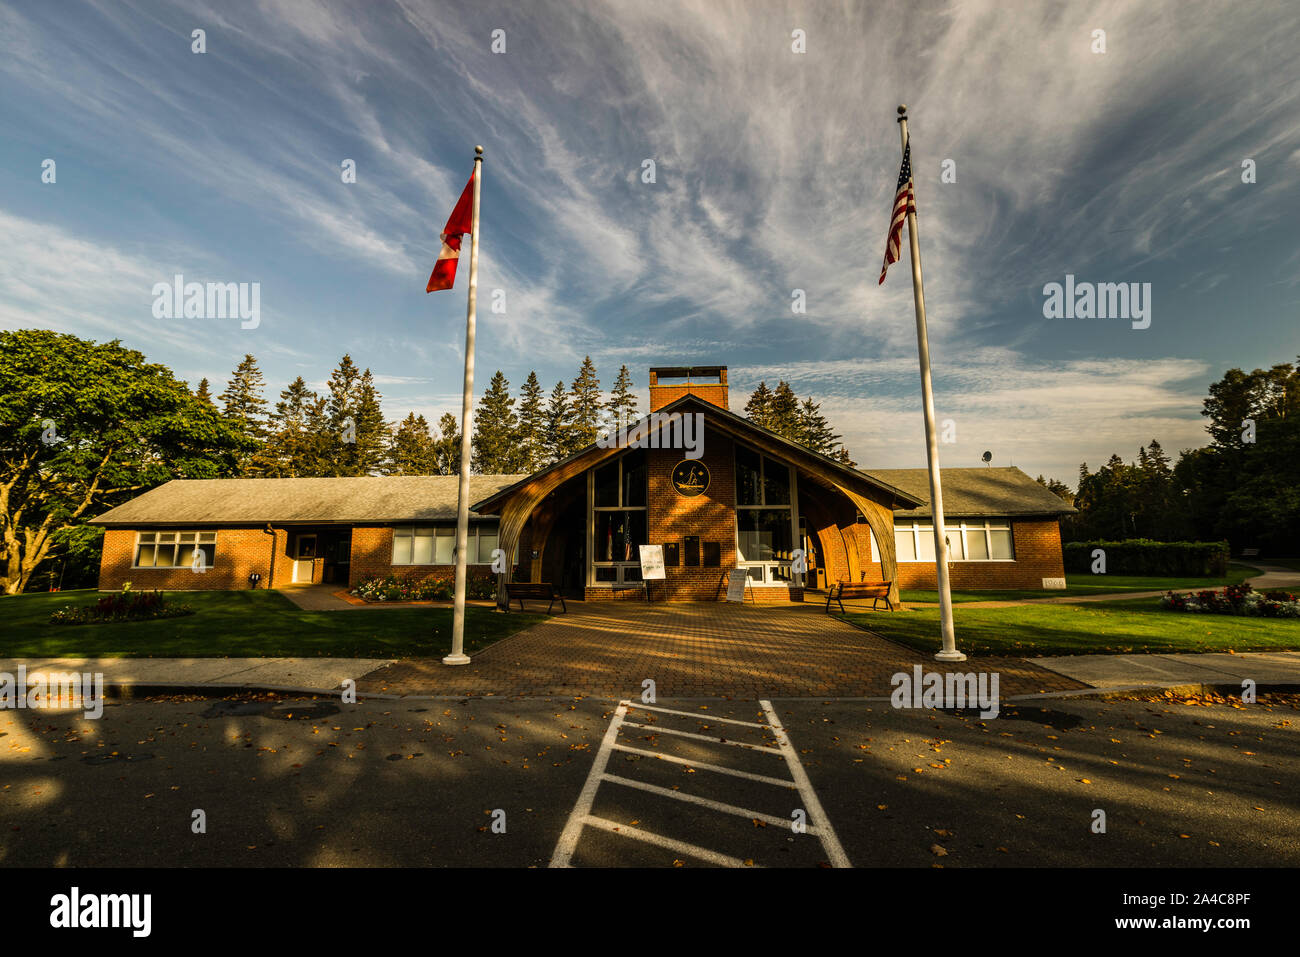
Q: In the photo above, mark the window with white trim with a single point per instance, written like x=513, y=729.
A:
x=436, y=544
x=175, y=549
x=969, y=540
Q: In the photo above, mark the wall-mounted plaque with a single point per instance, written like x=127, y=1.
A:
x=690, y=477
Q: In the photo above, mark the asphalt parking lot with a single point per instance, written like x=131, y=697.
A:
x=308, y=782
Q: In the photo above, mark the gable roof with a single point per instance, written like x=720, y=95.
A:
x=769, y=442
x=346, y=500
x=977, y=491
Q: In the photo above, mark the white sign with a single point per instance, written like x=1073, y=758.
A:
x=737, y=579
x=652, y=562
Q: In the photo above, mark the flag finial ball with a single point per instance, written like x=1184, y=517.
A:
x=902, y=108
x=478, y=150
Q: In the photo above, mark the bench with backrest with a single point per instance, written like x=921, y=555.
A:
x=534, y=591
x=851, y=590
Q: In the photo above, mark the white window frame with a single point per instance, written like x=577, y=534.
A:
x=471, y=542
x=962, y=527
x=622, y=569
x=172, y=537
x=772, y=573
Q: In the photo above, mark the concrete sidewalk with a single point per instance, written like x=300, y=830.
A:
x=1169, y=671
x=321, y=675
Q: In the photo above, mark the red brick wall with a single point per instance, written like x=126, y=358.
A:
x=372, y=557
x=1037, y=544
x=712, y=393
x=240, y=552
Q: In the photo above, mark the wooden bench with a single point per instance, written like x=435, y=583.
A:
x=534, y=591
x=851, y=590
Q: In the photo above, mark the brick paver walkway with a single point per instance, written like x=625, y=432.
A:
x=709, y=649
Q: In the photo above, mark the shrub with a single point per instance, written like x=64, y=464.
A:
x=1140, y=556
x=126, y=605
x=392, y=588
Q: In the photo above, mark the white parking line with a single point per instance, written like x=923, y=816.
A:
x=581, y=815
x=827, y=834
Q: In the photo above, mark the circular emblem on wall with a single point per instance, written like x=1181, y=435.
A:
x=690, y=477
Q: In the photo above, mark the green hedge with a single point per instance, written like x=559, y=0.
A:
x=1141, y=556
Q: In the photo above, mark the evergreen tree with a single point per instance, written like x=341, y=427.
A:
x=557, y=424
x=295, y=446
x=532, y=426
x=447, y=446
x=370, y=451
x=356, y=432
x=585, y=407
x=785, y=412
x=341, y=402
x=413, y=450
x=759, y=407
x=1057, y=488
x=814, y=431
x=622, y=401
x=495, y=449
x=245, y=407
x=204, y=392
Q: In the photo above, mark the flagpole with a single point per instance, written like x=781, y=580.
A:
x=458, y=656
x=949, y=651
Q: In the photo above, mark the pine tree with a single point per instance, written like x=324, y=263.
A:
x=532, y=426
x=244, y=406
x=370, y=451
x=357, y=431
x=759, y=407
x=204, y=392
x=495, y=449
x=585, y=407
x=412, y=450
x=622, y=401
x=296, y=444
x=341, y=406
x=557, y=422
x=447, y=446
x=814, y=431
x=784, y=412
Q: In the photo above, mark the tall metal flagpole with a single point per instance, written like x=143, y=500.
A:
x=949, y=651
x=458, y=656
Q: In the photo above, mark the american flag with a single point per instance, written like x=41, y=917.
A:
x=904, y=203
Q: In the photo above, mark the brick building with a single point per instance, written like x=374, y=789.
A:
x=715, y=490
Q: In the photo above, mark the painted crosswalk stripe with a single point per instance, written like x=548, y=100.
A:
x=827, y=836
x=581, y=816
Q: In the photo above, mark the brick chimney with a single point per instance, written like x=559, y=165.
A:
x=670, y=383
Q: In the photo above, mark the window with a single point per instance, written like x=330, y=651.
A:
x=618, y=519
x=764, y=529
x=175, y=549
x=436, y=544
x=969, y=540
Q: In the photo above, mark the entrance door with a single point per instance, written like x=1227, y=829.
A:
x=304, y=558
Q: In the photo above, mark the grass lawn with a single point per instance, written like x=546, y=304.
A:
x=1291, y=563
x=245, y=624
x=1092, y=585
x=1132, y=625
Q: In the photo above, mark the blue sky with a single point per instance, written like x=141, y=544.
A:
x=775, y=171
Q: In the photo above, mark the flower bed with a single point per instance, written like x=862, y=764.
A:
x=1235, y=600
x=392, y=588
x=125, y=606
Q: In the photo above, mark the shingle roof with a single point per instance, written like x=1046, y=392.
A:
x=388, y=498
x=978, y=491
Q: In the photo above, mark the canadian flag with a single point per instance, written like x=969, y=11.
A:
x=458, y=224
